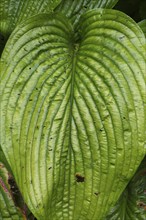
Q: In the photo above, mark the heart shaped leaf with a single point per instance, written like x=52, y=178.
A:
x=73, y=111
x=132, y=203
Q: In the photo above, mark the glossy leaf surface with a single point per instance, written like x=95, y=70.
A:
x=73, y=115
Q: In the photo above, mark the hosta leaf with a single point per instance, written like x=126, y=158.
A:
x=132, y=203
x=73, y=111
x=13, y=12
x=74, y=9
x=8, y=209
x=142, y=25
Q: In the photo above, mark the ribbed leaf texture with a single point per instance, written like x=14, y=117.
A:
x=74, y=9
x=13, y=12
x=8, y=209
x=132, y=203
x=73, y=115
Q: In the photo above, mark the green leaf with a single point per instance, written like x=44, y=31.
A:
x=8, y=209
x=132, y=203
x=73, y=115
x=74, y=9
x=13, y=12
x=142, y=25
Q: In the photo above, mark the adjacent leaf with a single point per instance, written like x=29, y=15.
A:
x=8, y=209
x=132, y=203
x=142, y=25
x=13, y=12
x=74, y=9
x=72, y=111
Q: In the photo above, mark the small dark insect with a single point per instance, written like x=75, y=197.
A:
x=79, y=178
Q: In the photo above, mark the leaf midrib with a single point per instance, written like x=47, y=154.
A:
x=74, y=60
